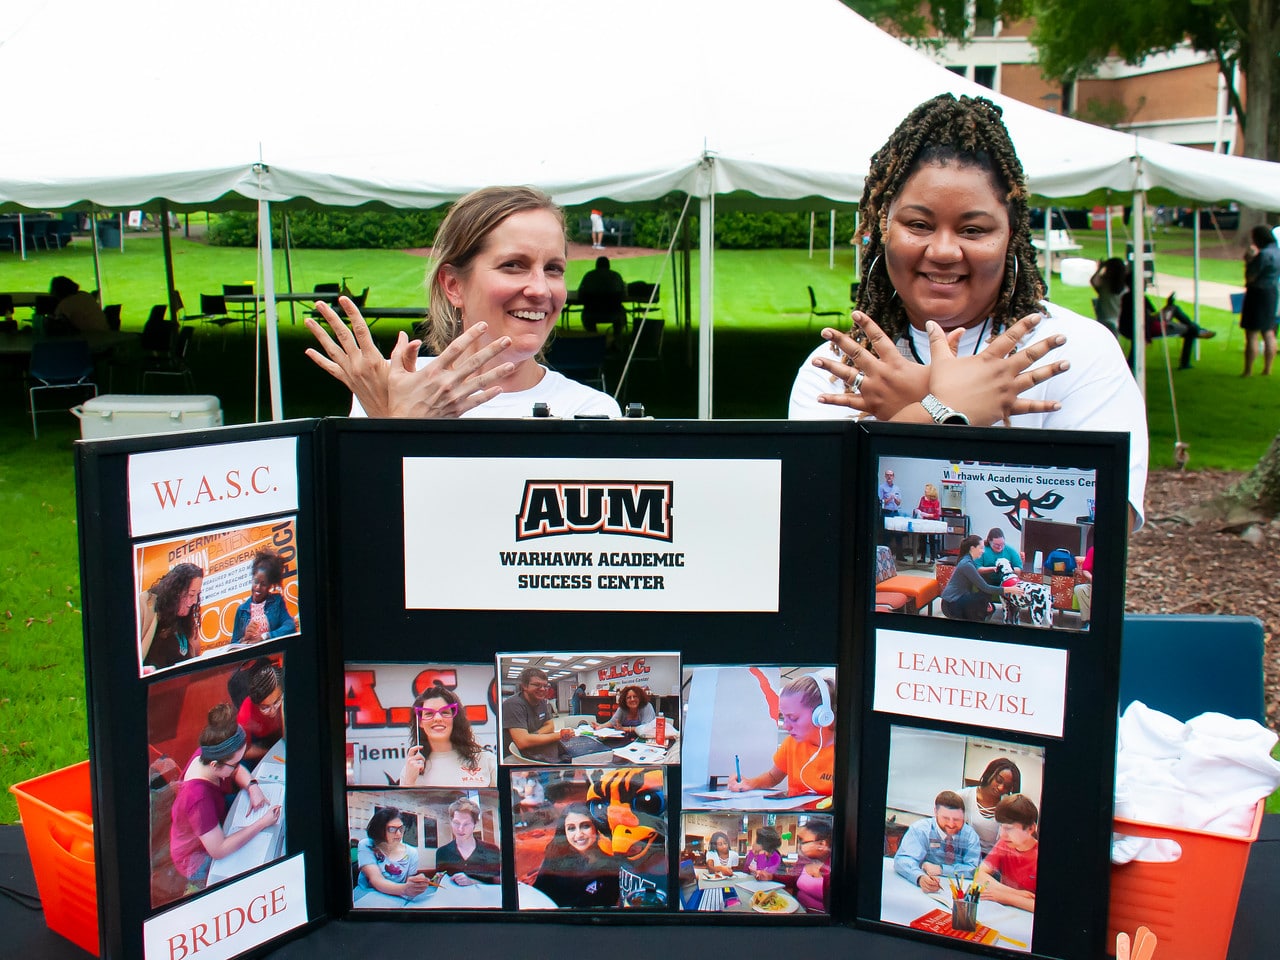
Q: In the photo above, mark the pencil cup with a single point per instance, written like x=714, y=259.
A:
x=964, y=915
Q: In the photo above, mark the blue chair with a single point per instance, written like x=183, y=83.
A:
x=1188, y=665
x=59, y=365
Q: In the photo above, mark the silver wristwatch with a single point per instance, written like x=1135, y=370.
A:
x=940, y=412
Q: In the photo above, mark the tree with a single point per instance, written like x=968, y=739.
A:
x=1074, y=36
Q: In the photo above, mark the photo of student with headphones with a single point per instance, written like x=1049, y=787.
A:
x=805, y=758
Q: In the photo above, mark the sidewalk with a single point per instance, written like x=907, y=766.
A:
x=1211, y=294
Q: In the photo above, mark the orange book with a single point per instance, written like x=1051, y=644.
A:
x=939, y=921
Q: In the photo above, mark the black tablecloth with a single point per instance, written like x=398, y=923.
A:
x=25, y=935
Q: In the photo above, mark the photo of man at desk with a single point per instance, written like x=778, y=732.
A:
x=759, y=738
x=935, y=858
x=631, y=708
x=214, y=813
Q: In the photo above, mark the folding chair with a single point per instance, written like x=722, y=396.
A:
x=173, y=364
x=58, y=365
x=580, y=358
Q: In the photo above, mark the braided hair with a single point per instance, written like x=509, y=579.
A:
x=967, y=132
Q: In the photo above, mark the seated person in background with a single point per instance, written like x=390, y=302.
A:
x=261, y=713
x=995, y=549
x=939, y=846
x=1084, y=591
x=466, y=859
x=600, y=294
x=966, y=595
x=810, y=878
x=264, y=615
x=1008, y=874
x=77, y=311
x=764, y=860
x=721, y=858
x=1172, y=321
x=634, y=709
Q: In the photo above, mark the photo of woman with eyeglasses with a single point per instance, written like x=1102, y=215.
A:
x=261, y=711
x=443, y=751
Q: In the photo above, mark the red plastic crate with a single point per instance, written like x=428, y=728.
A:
x=66, y=880
x=1191, y=917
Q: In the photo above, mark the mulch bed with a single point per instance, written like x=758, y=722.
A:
x=1176, y=566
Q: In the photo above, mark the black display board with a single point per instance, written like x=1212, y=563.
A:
x=347, y=600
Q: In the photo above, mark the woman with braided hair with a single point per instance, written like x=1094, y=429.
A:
x=950, y=325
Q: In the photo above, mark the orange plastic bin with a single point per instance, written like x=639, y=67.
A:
x=1189, y=903
x=61, y=848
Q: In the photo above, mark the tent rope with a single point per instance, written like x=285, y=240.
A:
x=644, y=316
x=1181, y=451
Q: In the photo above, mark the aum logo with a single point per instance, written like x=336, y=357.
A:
x=1019, y=506
x=551, y=508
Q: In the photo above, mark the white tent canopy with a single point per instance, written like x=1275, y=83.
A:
x=412, y=105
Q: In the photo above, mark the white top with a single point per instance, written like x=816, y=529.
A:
x=566, y=398
x=446, y=770
x=1097, y=393
x=714, y=860
x=987, y=829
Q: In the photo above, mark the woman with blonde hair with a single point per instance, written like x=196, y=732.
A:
x=930, y=508
x=496, y=288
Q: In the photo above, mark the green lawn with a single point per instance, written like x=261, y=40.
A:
x=761, y=337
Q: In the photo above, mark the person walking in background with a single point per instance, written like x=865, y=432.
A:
x=597, y=230
x=1261, y=292
x=890, y=496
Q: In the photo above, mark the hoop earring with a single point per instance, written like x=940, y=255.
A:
x=1015, y=271
x=868, y=271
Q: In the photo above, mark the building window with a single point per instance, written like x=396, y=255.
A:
x=984, y=18
x=960, y=71
x=985, y=76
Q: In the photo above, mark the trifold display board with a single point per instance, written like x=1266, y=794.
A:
x=658, y=673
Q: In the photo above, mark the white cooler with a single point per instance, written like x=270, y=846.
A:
x=124, y=415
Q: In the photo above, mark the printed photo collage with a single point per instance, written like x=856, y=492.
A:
x=215, y=735
x=984, y=573
x=564, y=766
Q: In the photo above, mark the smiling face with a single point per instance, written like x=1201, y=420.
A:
x=259, y=587
x=435, y=718
x=191, y=597
x=945, y=239
x=633, y=701
x=515, y=284
x=796, y=718
x=722, y=847
x=949, y=820
x=580, y=832
x=976, y=550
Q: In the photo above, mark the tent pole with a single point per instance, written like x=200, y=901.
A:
x=812, y=214
x=706, y=277
x=686, y=286
x=1107, y=217
x=269, y=301
x=97, y=259
x=857, y=246
x=167, y=246
x=1195, y=267
x=1048, y=251
x=288, y=269
x=831, y=245
x=1139, y=290
x=120, y=224
x=22, y=236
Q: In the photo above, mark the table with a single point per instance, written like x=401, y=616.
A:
x=451, y=896
x=915, y=528
x=267, y=845
x=902, y=901
x=744, y=885
x=100, y=341
x=24, y=298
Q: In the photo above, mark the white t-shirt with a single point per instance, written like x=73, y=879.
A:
x=446, y=770
x=566, y=399
x=1097, y=393
x=713, y=859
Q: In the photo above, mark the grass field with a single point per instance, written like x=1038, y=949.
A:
x=761, y=337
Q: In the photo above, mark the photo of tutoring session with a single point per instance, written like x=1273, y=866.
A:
x=962, y=829
x=217, y=775
x=759, y=738
x=977, y=541
x=215, y=593
x=425, y=849
x=771, y=863
x=590, y=709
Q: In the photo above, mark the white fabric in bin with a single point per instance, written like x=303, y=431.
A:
x=123, y=414
x=913, y=525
